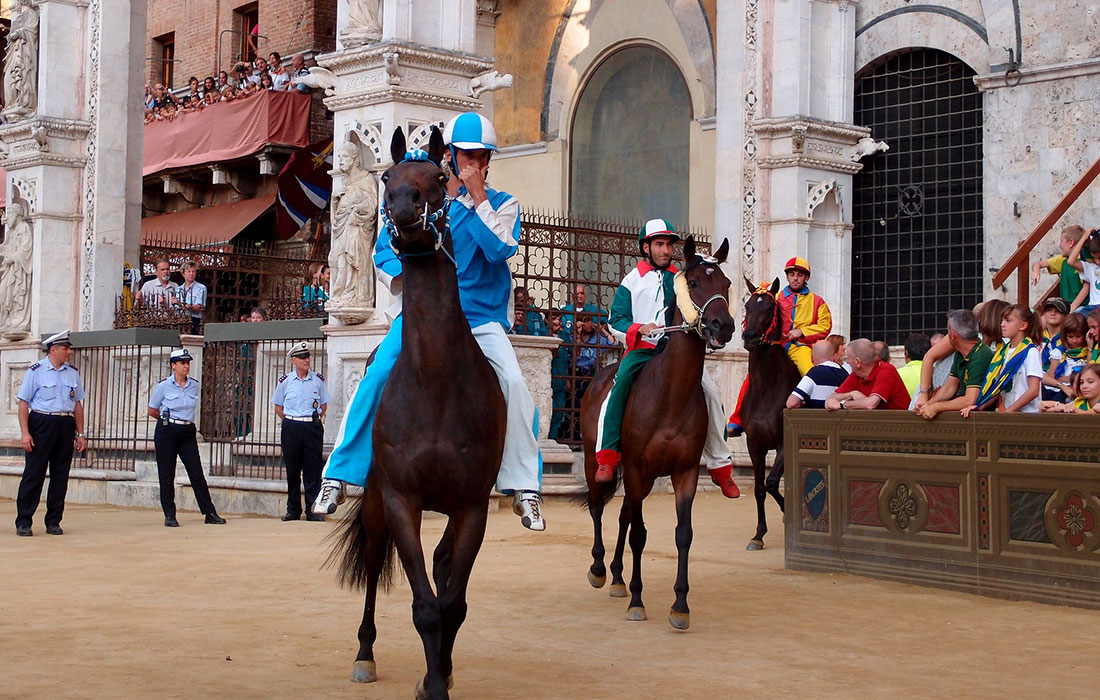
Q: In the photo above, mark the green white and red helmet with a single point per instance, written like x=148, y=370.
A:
x=656, y=228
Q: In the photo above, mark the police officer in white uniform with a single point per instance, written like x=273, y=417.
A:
x=173, y=403
x=301, y=400
x=51, y=416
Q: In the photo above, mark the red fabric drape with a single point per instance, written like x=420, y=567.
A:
x=227, y=130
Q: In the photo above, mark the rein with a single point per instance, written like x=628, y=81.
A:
x=428, y=218
x=696, y=324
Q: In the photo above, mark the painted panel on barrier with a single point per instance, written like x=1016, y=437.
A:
x=815, y=499
x=1071, y=521
x=943, y=508
x=863, y=503
x=1025, y=516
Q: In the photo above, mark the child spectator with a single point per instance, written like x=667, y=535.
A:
x=1016, y=370
x=1090, y=272
x=1070, y=286
x=223, y=81
x=1054, y=314
x=1088, y=394
x=266, y=83
x=989, y=315
x=1066, y=360
x=821, y=381
x=1092, y=338
x=916, y=345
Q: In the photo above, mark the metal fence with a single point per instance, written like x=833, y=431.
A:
x=242, y=364
x=238, y=276
x=119, y=369
x=571, y=268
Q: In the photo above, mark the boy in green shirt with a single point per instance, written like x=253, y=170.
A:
x=1070, y=286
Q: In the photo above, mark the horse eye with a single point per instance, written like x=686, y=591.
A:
x=385, y=177
x=693, y=283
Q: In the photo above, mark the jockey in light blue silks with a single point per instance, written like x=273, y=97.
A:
x=485, y=229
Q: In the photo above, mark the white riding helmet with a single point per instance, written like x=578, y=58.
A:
x=470, y=131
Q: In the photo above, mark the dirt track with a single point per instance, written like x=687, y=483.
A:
x=121, y=607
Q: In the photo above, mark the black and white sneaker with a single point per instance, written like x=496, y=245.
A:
x=528, y=506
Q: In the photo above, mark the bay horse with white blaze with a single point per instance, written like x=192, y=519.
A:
x=434, y=450
x=664, y=428
x=772, y=378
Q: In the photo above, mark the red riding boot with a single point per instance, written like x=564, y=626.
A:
x=723, y=478
x=606, y=461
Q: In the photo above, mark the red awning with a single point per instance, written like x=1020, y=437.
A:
x=205, y=226
x=227, y=130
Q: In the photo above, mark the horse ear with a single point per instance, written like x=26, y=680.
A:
x=775, y=287
x=723, y=251
x=397, y=145
x=750, y=285
x=689, y=249
x=435, y=146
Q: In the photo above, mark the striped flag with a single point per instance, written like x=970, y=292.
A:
x=304, y=187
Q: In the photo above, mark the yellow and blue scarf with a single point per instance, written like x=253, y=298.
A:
x=1082, y=404
x=1006, y=362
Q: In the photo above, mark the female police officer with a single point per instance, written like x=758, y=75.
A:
x=173, y=405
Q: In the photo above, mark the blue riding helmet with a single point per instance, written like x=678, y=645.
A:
x=469, y=131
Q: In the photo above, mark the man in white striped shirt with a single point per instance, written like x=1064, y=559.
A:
x=821, y=381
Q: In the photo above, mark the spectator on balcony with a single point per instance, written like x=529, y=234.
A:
x=882, y=350
x=223, y=82
x=916, y=345
x=280, y=77
x=969, y=358
x=258, y=314
x=266, y=82
x=1016, y=371
x=1092, y=338
x=241, y=73
x=192, y=295
x=150, y=98
x=162, y=97
x=1053, y=318
x=193, y=91
x=209, y=85
x=579, y=303
x=989, y=315
x=821, y=381
x=161, y=290
x=1089, y=270
x=297, y=70
x=315, y=291
x=1065, y=360
x=1087, y=390
x=872, y=383
x=260, y=69
x=1070, y=287
x=527, y=320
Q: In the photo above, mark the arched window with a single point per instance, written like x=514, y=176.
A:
x=917, y=208
x=630, y=155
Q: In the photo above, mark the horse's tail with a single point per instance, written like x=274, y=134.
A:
x=352, y=546
x=606, y=491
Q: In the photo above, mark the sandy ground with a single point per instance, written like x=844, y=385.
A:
x=121, y=607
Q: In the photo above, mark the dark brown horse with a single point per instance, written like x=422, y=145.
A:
x=434, y=450
x=664, y=428
x=772, y=378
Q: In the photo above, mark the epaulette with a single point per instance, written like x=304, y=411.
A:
x=283, y=377
x=320, y=376
x=35, y=366
x=75, y=368
x=165, y=379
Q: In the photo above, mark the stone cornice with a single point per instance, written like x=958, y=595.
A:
x=35, y=158
x=62, y=128
x=365, y=99
x=801, y=160
x=1024, y=76
x=410, y=56
x=778, y=127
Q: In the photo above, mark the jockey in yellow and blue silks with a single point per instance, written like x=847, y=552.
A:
x=484, y=228
x=637, y=317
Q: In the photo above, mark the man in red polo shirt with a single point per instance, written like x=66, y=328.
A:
x=872, y=383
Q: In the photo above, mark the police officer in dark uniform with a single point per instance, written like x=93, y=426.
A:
x=51, y=416
x=301, y=400
x=173, y=403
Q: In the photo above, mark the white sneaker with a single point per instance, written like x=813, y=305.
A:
x=331, y=495
x=528, y=506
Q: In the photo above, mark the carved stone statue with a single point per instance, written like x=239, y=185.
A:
x=15, y=274
x=21, y=62
x=363, y=26
x=354, y=220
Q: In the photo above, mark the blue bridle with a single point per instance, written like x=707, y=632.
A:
x=428, y=218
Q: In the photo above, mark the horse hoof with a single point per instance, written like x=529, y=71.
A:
x=636, y=614
x=596, y=581
x=755, y=545
x=364, y=672
x=422, y=694
x=679, y=620
x=618, y=590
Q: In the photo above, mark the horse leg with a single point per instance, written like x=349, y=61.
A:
x=404, y=519
x=378, y=544
x=441, y=559
x=618, y=586
x=772, y=485
x=467, y=538
x=758, y=454
x=636, y=610
x=684, y=485
x=597, y=573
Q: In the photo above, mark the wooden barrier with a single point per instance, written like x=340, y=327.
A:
x=1002, y=505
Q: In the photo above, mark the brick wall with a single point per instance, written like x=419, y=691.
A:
x=197, y=24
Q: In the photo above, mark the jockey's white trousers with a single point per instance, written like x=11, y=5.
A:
x=715, y=450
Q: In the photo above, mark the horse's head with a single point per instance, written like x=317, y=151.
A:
x=762, y=323
x=415, y=196
x=702, y=294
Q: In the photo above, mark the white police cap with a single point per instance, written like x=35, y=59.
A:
x=299, y=350
x=61, y=338
x=179, y=355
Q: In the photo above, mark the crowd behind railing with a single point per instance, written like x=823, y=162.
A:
x=241, y=81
